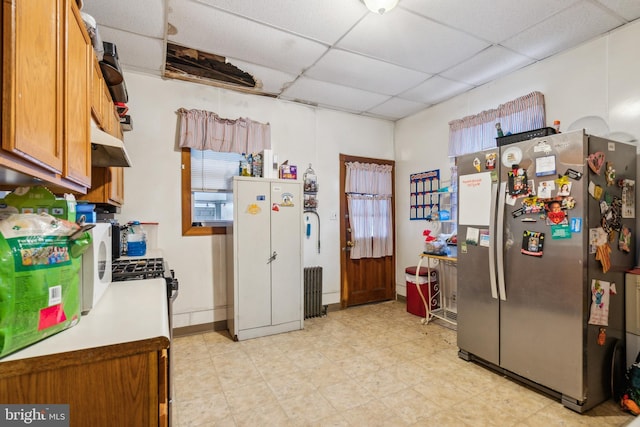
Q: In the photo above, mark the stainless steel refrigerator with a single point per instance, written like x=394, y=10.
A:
x=526, y=273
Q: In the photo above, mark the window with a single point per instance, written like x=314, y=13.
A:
x=207, y=191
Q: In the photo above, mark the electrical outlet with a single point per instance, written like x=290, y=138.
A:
x=454, y=296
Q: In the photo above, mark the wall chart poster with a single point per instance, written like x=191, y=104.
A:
x=423, y=196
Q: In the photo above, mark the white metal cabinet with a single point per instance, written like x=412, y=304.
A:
x=265, y=265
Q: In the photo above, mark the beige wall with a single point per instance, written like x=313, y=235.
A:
x=599, y=78
x=300, y=134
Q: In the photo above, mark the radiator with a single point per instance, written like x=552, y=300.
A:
x=313, y=293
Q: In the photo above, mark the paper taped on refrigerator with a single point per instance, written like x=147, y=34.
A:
x=475, y=199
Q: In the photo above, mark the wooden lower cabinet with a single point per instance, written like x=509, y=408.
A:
x=128, y=390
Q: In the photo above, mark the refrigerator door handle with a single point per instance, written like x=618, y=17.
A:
x=500, y=240
x=492, y=242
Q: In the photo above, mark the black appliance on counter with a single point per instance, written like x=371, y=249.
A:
x=125, y=269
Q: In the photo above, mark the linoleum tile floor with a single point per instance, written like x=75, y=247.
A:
x=372, y=365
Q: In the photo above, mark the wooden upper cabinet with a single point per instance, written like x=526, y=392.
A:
x=46, y=89
x=78, y=55
x=32, y=126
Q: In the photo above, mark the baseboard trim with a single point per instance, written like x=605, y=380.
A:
x=220, y=325
x=333, y=307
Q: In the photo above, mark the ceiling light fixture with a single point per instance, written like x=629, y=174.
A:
x=380, y=6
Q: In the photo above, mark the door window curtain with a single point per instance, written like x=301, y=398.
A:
x=204, y=130
x=369, y=189
x=478, y=132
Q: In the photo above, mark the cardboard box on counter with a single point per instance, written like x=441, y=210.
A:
x=39, y=199
x=288, y=171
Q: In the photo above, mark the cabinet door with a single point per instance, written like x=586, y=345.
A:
x=77, y=98
x=107, y=186
x=116, y=185
x=286, y=238
x=97, y=83
x=252, y=233
x=32, y=81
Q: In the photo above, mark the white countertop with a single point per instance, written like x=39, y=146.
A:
x=129, y=311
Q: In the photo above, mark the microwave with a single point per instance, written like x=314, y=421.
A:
x=96, y=266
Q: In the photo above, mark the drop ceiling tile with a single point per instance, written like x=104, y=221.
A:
x=488, y=65
x=321, y=20
x=628, y=9
x=332, y=95
x=361, y=72
x=136, y=52
x=397, y=108
x=408, y=40
x=579, y=23
x=205, y=28
x=492, y=20
x=273, y=81
x=435, y=90
x=144, y=17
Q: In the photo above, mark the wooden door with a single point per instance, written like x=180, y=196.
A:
x=363, y=280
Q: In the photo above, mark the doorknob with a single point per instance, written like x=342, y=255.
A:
x=350, y=243
x=348, y=230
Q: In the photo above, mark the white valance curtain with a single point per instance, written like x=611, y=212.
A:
x=204, y=130
x=369, y=189
x=478, y=132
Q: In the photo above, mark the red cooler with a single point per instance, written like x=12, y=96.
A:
x=414, y=302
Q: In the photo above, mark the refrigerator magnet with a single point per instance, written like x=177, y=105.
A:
x=518, y=182
x=484, y=238
x=610, y=174
x=532, y=243
x=555, y=214
x=602, y=336
x=490, y=161
x=476, y=164
x=546, y=165
x=628, y=198
x=568, y=202
x=564, y=189
x=573, y=174
x=473, y=236
x=511, y=156
x=560, y=232
x=517, y=212
x=532, y=205
x=576, y=225
x=624, y=240
x=545, y=188
x=599, y=313
x=253, y=209
x=595, y=190
x=287, y=200
x=596, y=161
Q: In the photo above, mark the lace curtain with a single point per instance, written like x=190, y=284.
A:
x=204, y=130
x=369, y=188
x=476, y=133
